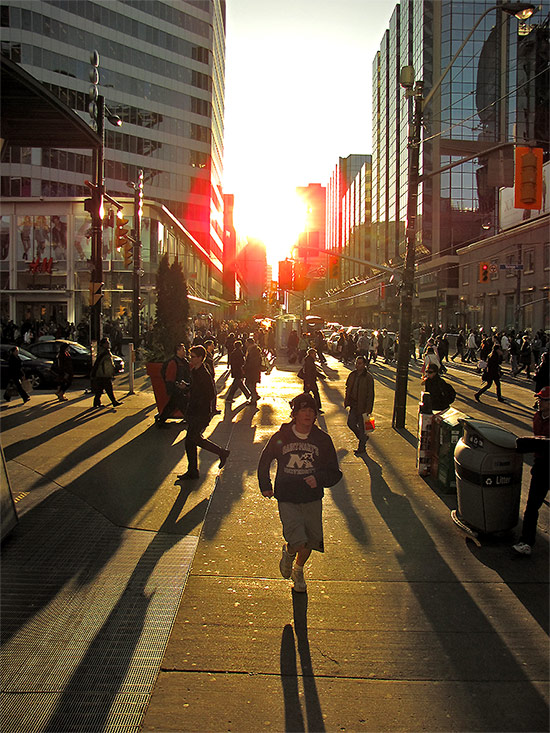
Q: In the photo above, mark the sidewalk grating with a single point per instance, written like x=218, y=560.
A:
x=86, y=611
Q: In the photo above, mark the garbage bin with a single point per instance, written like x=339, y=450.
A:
x=488, y=477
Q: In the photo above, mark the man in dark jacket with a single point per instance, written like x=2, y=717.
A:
x=310, y=374
x=359, y=398
x=252, y=368
x=236, y=364
x=202, y=402
x=15, y=375
x=177, y=377
x=492, y=373
x=306, y=464
x=442, y=393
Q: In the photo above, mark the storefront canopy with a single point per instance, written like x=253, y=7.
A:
x=31, y=116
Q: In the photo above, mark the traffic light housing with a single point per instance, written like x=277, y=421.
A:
x=301, y=279
x=528, y=179
x=483, y=272
x=334, y=267
x=286, y=274
x=128, y=250
x=95, y=292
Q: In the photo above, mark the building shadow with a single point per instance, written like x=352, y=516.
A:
x=453, y=606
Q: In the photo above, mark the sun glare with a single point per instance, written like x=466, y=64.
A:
x=274, y=217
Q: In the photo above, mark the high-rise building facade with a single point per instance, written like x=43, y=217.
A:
x=161, y=71
x=342, y=177
x=480, y=104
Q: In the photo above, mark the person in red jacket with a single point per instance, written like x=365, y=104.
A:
x=540, y=475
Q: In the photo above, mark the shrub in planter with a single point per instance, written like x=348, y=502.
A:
x=171, y=323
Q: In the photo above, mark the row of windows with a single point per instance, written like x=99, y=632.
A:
x=135, y=116
x=119, y=22
x=76, y=36
x=55, y=62
x=470, y=271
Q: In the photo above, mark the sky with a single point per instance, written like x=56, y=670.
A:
x=297, y=97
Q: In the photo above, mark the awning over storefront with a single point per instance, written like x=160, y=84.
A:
x=31, y=116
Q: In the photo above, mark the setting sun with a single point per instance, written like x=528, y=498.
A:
x=273, y=216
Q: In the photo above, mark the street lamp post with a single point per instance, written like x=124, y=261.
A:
x=522, y=11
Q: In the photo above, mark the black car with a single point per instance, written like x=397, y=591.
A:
x=81, y=356
x=38, y=370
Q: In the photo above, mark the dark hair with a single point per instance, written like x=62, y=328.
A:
x=433, y=368
x=198, y=351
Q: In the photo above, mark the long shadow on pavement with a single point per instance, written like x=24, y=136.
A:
x=294, y=718
x=414, y=540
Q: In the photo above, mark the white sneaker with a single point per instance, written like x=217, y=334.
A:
x=523, y=548
x=285, y=564
x=298, y=579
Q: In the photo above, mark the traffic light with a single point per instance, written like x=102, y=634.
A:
x=334, y=267
x=483, y=272
x=95, y=292
x=128, y=249
x=286, y=274
x=528, y=181
x=121, y=232
x=301, y=279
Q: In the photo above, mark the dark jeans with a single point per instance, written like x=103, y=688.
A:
x=314, y=389
x=98, y=385
x=194, y=440
x=537, y=493
x=489, y=383
x=356, y=424
x=250, y=385
x=237, y=385
x=16, y=382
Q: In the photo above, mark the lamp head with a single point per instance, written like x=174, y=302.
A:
x=114, y=119
x=522, y=11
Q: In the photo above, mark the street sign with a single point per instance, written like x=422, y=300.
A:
x=511, y=267
x=493, y=268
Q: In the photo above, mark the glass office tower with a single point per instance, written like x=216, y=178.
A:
x=480, y=104
x=162, y=66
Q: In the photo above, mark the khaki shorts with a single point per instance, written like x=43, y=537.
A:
x=302, y=524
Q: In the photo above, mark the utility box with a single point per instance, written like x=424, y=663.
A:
x=488, y=477
x=448, y=430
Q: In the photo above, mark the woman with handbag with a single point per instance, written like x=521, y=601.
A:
x=360, y=399
x=15, y=375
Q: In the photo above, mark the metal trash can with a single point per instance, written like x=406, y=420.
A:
x=488, y=477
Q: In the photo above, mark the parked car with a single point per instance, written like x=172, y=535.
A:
x=81, y=355
x=38, y=370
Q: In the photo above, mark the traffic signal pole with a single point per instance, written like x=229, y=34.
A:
x=97, y=222
x=407, y=288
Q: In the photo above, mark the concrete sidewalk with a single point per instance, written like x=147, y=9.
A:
x=406, y=626
x=117, y=571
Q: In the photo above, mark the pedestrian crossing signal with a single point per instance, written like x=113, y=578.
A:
x=483, y=272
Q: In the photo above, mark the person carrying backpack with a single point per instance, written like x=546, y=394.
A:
x=442, y=393
x=177, y=376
